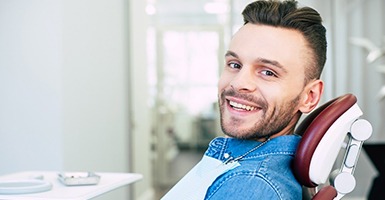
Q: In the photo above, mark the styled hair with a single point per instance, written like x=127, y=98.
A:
x=287, y=14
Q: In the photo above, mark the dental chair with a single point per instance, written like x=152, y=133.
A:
x=332, y=128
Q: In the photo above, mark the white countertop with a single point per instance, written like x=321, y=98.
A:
x=108, y=182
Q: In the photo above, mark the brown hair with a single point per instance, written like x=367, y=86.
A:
x=286, y=14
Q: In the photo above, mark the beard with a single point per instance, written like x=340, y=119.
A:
x=272, y=120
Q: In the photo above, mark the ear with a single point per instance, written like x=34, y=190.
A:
x=311, y=95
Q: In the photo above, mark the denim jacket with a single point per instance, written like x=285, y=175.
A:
x=264, y=173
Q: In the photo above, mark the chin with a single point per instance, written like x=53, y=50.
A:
x=237, y=134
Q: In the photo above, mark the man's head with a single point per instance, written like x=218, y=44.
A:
x=287, y=15
x=272, y=70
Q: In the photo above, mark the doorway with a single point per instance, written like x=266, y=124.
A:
x=183, y=76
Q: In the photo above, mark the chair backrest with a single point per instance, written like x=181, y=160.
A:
x=324, y=132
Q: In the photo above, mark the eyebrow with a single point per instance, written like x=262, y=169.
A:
x=258, y=60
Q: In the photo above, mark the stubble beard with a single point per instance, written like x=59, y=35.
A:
x=270, y=123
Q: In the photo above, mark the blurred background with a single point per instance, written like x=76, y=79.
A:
x=130, y=85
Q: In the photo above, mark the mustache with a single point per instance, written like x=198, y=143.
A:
x=251, y=98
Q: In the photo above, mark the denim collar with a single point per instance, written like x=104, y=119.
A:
x=222, y=148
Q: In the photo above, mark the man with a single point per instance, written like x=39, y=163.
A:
x=271, y=76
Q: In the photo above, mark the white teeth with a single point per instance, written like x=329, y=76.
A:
x=241, y=106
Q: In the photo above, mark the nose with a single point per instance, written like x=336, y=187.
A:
x=244, y=81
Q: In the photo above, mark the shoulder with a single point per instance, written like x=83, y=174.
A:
x=241, y=185
x=268, y=177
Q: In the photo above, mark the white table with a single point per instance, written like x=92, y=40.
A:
x=108, y=182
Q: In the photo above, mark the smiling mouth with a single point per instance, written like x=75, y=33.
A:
x=239, y=106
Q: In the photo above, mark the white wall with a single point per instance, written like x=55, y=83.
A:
x=30, y=85
x=64, y=86
x=95, y=85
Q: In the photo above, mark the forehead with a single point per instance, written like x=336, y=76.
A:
x=286, y=46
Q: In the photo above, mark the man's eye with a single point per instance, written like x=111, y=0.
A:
x=268, y=73
x=234, y=65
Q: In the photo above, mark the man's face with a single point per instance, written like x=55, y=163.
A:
x=262, y=84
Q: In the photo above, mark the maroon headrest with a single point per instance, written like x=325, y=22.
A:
x=327, y=192
x=312, y=129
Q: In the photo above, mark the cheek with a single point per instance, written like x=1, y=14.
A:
x=286, y=89
x=274, y=95
x=223, y=82
x=271, y=91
